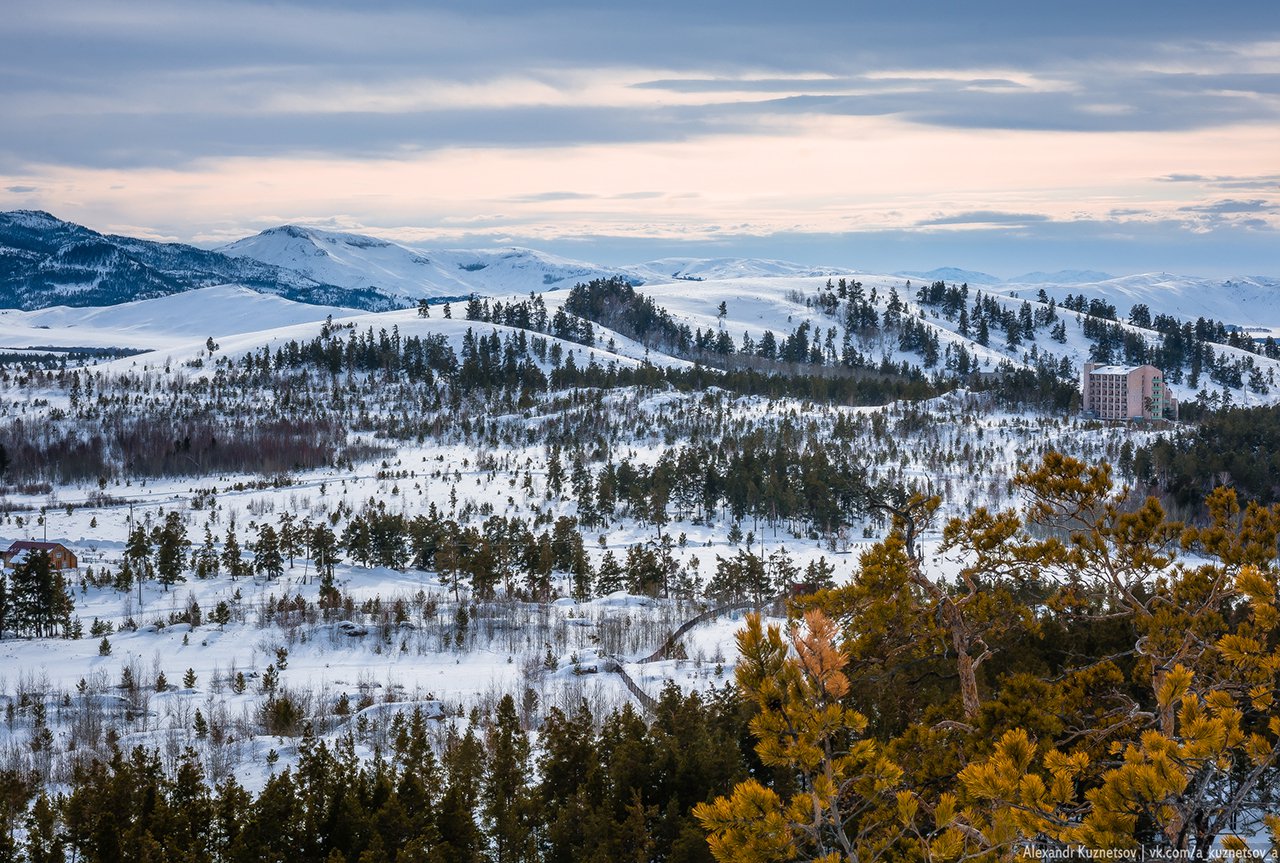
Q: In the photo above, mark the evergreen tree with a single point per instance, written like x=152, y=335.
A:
x=39, y=602
x=171, y=549
x=358, y=542
x=505, y=799
x=324, y=550
x=137, y=552
x=983, y=336
x=611, y=577
x=205, y=560
x=291, y=538
x=231, y=555
x=267, y=559
x=460, y=838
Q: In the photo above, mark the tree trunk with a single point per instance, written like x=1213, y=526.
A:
x=965, y=666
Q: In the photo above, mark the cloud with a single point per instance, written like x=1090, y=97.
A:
x=1228, y=205
x=1120, y=248
x=552, y=196
x=153, y=83
x=1258, y=182
x=742, y=118
x=21, y=190
x=983, y=217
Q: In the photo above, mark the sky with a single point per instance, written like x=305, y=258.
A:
x=1128, y=136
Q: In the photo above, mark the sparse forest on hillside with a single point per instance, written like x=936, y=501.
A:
x=607, y=572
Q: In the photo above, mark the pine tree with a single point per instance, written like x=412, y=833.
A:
x=324, y=550
x=357, y=540
x=231, y=555
x=45, y=842
x=206, y=561
x=463, y=760
x=137, y=552
x=504, y=796
x=171, y=549
x=611, y=577
x=39, y=603
x=804, y=726
x=983, y=336
x=266, y=552
x=291, y=539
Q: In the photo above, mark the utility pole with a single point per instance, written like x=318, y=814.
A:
x=138, y=574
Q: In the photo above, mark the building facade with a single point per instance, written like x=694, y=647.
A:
x=1126, y=393
x=59, y=555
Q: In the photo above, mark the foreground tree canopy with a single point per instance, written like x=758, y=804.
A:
x=1095, y=676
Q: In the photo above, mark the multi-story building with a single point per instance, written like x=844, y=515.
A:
x=1126, y=393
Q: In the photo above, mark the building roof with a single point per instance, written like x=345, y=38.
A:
x=35, y=545
x=1113, y=370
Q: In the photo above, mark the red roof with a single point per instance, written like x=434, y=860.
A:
x=35, y=545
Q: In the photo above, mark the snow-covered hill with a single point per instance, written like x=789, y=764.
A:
x=950, y=275
x=356, y=261
x=702, y=269
x=1248, y=301
x=414, y=272
x=175, y=327
x=158, y=324
x=975, y=277
x=1061, y=277
x=45, y=261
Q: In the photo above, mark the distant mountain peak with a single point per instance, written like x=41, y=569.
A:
x=1061, y=277
x=46, y=261
x=320, y=235
x=952, y=274
x=295, y=231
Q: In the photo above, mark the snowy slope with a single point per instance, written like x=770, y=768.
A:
x=160, y=323
x=1061, y=277
x=951, y=275
x=957, y=276
x=175, y=327
x=699, y=269
x=46, y=261
x=1245, y=300
x=412, y=272
x=356, y=261
x=777, y=304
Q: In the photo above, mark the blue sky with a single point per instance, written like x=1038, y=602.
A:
x=992, y=135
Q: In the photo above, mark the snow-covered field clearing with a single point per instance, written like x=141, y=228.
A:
x=399, y=638
x=416, y=636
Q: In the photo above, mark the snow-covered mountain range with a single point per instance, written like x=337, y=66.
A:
x=46, y=262
x=975, y=277
x=405, y=274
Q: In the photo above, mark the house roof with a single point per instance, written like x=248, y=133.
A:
x=35, y=545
